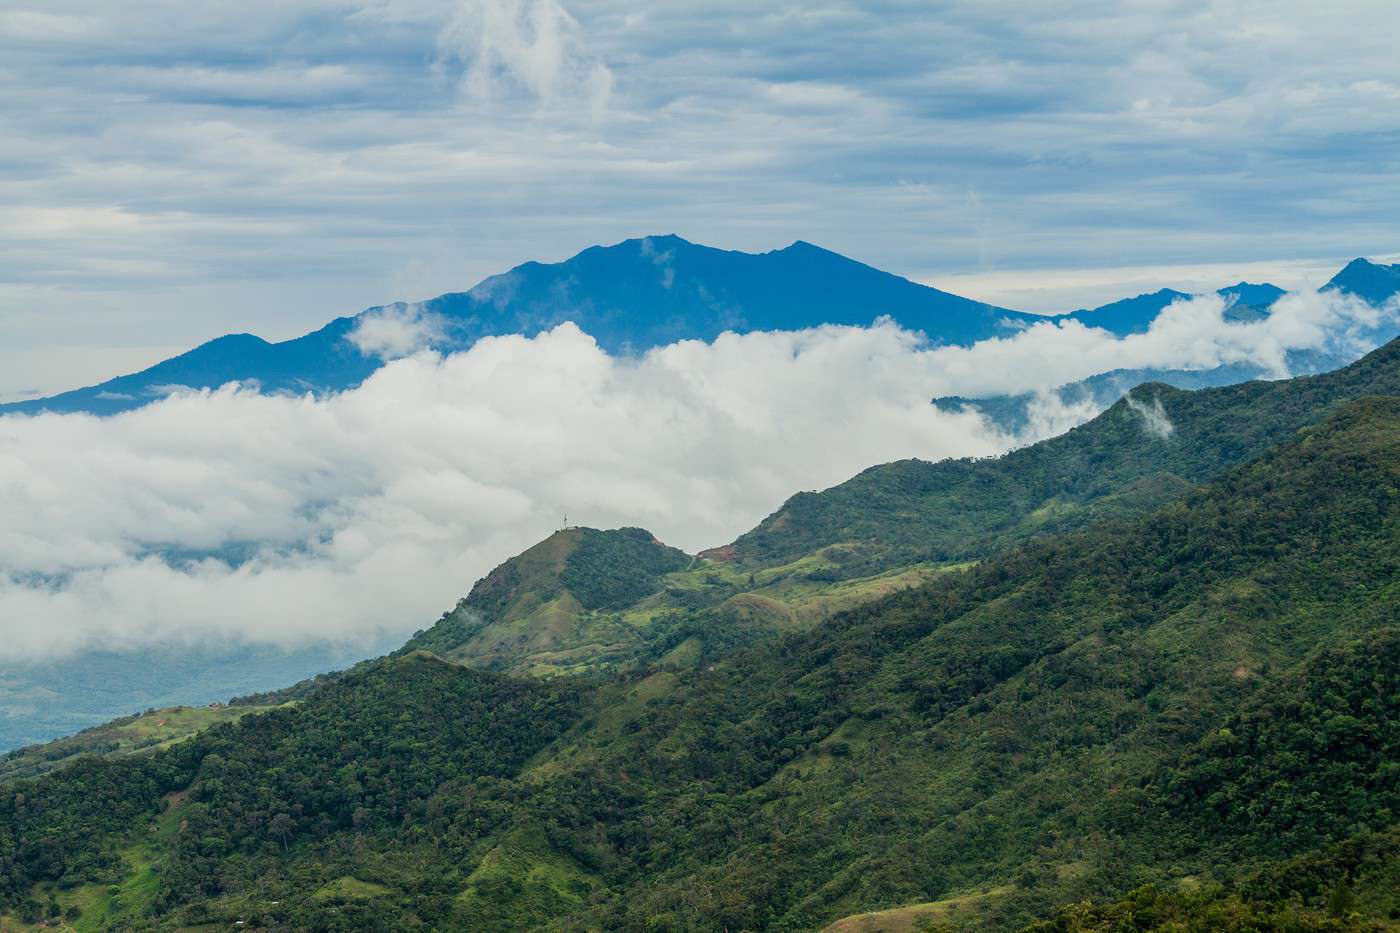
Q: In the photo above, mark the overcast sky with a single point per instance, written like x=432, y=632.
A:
x=172, y=171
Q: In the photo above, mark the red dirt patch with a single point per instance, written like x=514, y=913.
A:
x=720, y=555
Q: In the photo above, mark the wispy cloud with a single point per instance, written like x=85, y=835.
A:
x=1154, y=417
x=396, y=330
x=534, y=46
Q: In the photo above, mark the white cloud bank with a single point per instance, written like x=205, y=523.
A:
x=367, y=513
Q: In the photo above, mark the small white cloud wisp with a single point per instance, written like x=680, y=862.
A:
x=396, y=330
x=1154, y=417
x=530, y=46
x=231, y=515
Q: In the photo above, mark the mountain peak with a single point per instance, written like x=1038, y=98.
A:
x=658, y=239
x=1127, y=315
x=1372, y=282
x=1255, y=295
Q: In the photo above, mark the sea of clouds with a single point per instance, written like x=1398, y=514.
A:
x=230, y=516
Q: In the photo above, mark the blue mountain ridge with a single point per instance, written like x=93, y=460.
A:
x=1376, y=284
x=1135, y=315
x=630, y=297
x=643, y=293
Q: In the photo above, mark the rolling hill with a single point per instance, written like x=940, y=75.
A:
x=1192, y=688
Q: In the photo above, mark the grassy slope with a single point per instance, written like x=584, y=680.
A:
x=555, y=608
x=585, y=600
x=146, y=732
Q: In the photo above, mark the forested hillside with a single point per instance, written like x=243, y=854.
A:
x=1142, y=452
x=131, y=735
x=1196, y=699
x=552, y=608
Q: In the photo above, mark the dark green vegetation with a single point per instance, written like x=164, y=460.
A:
x=1347, y=887
x=1113, y=465
x=1182, y=715
x=368, y=757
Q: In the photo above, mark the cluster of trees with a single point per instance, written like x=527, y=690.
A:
x=614, y=569
x=1309, y=763
x=1322, y=892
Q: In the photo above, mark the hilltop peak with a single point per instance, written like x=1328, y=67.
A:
x=538, y=609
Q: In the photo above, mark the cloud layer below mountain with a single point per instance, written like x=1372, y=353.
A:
x=230, y=515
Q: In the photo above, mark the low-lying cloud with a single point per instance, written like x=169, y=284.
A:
x=1154, y=417
x=396, y=330
x=230, y=515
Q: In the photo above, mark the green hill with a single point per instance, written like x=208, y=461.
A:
x=1142, y=452
x=553, y=608
x=586, y=600
x=1190, y=699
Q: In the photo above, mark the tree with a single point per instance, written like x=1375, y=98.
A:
x=1341, y=901
x=281, y=827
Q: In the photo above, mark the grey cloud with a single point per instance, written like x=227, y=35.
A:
x=529, y=45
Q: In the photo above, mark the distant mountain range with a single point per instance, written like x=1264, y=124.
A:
x=630, y=297
x=640, y=294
